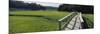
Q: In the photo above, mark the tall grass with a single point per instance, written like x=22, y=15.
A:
x=19, y=24
x=89, y=18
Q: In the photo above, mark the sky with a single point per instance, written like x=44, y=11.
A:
x=44, y=3
x=56, y=3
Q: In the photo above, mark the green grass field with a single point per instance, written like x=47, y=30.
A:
x=49, y=14
x=89, y=16
x=48, y=21
x=89, y=19
x=22, y=21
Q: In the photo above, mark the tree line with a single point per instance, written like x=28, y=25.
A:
x=79, y=8
x=62, y=7
x=22, y=5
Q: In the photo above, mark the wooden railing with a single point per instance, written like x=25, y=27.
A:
x=63, y=22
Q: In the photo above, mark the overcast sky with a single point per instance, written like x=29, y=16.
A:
x=56, y=3
x=45, y=3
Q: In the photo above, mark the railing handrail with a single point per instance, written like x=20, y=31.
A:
x=65, y=17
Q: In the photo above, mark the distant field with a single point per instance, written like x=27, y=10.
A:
x=38, y=21
x=89, y=19
x=49, y=14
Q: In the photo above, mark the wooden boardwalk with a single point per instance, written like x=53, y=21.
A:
x=75, y=23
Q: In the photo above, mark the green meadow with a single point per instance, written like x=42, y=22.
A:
x=34, y=21
x=21, y=21
x=89, y=20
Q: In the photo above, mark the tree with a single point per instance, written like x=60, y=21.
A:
x=22, y=5
x=73, y=7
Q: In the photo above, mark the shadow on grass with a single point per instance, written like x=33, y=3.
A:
x=86, y=25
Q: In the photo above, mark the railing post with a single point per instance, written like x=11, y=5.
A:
x=59, y=23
